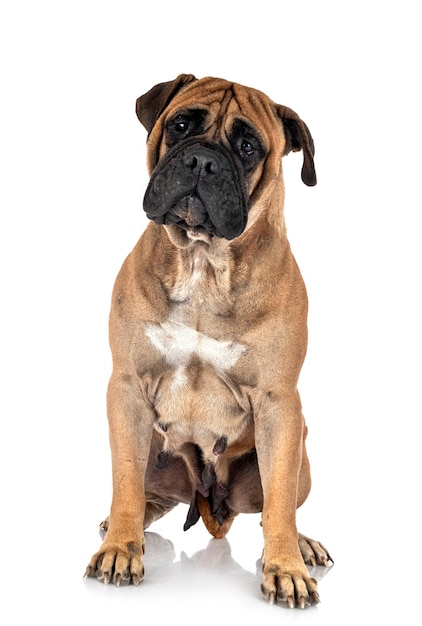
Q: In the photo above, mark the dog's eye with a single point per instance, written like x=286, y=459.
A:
x=184, y=124
x=178, y=129
x=247, y=148
x=246, y=144
x=180, y=126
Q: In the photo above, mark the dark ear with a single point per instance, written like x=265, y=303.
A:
x=150, y=105
x=298, y=138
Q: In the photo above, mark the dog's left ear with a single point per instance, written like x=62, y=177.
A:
x=150, y=105
x=298, y=138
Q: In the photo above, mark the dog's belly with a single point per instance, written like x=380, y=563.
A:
x=197, y=396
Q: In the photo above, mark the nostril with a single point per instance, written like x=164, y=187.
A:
x=191, y=161
x=211, y=167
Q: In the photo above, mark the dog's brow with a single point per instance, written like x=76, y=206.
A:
x=195, y=112
x=241, y=126
x=244, y=126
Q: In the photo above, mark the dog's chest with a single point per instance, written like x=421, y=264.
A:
x=196, y=394
x=180, y=344
x=197, y=391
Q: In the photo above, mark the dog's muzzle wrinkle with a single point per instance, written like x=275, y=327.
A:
x=198, y=186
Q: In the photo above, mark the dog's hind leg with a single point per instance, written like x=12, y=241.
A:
x=313, y=552
x=156, y=507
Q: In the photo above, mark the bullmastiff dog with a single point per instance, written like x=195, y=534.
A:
x=208, y=333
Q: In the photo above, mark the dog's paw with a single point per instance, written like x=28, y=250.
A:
x=121, y=567
x=289, y=588
x=313, y=552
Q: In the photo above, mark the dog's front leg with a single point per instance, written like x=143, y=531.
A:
x=279, y=432
x=130, y=422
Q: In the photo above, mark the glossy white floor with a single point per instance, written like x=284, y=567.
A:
x=72, y=181
x=56, y=490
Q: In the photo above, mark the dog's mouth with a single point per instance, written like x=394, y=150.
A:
x=190, y=214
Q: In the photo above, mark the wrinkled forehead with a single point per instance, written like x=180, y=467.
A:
x=224, y=102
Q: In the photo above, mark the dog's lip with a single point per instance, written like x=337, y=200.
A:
x=190, y=214
x=194, y=229
x=190, y=210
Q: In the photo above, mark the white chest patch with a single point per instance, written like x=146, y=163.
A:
x=178, y=343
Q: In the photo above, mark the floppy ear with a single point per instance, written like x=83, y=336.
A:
x=150, y=105
x=298, y=138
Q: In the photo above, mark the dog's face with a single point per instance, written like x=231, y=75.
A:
x=201, y=182
x=213, y=149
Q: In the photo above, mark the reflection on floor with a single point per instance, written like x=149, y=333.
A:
x=215, y=557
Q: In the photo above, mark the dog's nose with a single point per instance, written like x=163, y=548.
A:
x=201, y=160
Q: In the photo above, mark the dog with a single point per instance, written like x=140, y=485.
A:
x=208, y=333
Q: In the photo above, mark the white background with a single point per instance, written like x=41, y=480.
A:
x=72, y=180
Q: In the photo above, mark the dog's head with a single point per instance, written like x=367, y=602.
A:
x=214, y=149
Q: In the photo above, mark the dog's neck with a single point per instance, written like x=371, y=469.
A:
x=205, y=273
x=203, y=270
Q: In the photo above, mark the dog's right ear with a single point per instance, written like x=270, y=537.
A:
x=151, y=104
